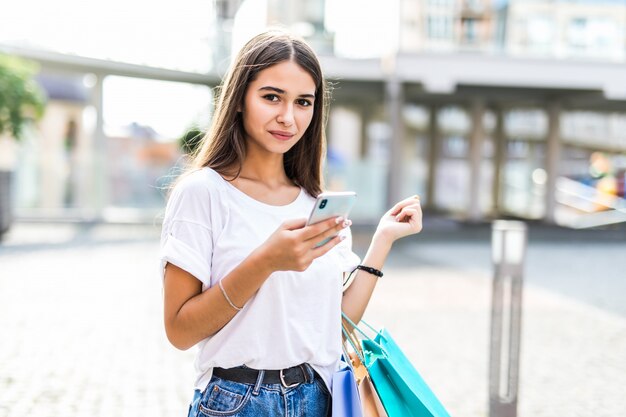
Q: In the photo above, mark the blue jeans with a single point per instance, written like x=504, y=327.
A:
x=228, y=398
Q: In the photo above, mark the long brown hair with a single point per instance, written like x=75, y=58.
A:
x=224, y=146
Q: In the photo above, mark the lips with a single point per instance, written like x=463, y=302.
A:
x=281, y=135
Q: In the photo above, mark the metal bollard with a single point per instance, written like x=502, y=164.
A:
x=509, y=241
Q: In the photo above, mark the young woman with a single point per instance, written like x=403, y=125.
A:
x=243, y=278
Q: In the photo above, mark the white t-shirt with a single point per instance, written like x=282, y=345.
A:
x=209, y=228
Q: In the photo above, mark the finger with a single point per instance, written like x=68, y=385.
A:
x=293, y=224
x=320, y=227
x=404, y=203
x=329, y=232
x=398, y=215
x=407, y=212
x=322, y=250
x=395, y=209
x=413, y=219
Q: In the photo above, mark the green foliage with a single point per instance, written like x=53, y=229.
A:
x=21, y=99
x=190, y=140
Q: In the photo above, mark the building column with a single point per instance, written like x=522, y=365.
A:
x=100, y=175
x=395, y=103
x=499, y=159
x=366, y=117
x=476, y=140
x=553, y=158
x=433, y=157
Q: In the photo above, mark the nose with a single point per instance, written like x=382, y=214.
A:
x=286, y=116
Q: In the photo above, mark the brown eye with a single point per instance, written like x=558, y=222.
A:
x=271, y=97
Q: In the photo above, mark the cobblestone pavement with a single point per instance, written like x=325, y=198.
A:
x=82, y=334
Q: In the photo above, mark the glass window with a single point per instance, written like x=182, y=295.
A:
x=577, y=33
x=604, y=38
x=531, y=124
x=540, y=34
x=452, y=174
x=470, y=30
x=441, y=2
x=595, y=130
x=439, y=27
x=474, y=4
x=523, y=186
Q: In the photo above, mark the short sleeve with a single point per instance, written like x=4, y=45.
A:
x=347, y=259
x=186, y=236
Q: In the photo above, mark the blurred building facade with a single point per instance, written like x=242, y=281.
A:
x=446, y=25
x=484, y=109
x=592, y=29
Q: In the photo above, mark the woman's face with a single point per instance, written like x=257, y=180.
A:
x=278, y=107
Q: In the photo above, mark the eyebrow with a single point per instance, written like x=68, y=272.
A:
x=280, y=91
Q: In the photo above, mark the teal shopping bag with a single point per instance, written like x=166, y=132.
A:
x=402, y=390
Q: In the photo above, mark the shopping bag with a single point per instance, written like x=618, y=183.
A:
x=370, y=401
x=402, y=390
x=346, y=401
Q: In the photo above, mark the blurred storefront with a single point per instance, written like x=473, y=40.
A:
x=483, y=111
x=108, y=152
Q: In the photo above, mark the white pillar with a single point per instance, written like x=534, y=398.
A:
x=100, y=172
x=499, y=159
x=395, y=102
x=553, y=159
x=433, y=157
x=476, y=140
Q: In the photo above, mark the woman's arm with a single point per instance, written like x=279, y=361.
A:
x=191, y=315
x=404, y=219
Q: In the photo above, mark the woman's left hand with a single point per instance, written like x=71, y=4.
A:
x=404, y=219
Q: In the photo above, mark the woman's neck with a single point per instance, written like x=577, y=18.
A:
x=267, y=169
x=264, y=179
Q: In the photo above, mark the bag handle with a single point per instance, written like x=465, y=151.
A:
x=349, y=337
x=354, y=326
x=354, y=342
x=372, y=329
x=346, y=356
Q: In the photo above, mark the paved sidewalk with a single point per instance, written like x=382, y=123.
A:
x=573, y=359
x=82, y=334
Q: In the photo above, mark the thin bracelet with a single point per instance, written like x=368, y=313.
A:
x=371, y=270
x=227, y=298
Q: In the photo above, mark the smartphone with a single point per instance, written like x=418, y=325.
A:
x=331, y=204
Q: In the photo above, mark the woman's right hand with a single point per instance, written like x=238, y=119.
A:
x=292, y=247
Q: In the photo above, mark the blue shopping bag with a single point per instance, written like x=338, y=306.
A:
x=402, y=390
x=346, y=400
